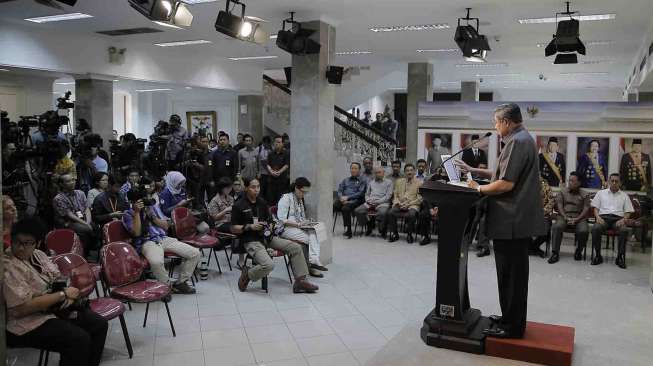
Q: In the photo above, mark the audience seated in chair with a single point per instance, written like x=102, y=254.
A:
x=72, y=212
x=174, y=193
x=39, y=317
x=406, y=203
x=351, y=194
x=573, y=207
x=109, y=205
x=377, y=201
x=249, y=219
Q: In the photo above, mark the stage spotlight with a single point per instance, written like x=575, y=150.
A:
x=566, y=40
x=164, y=11
x=240, y=27
x=473, y=45
x=334, y=74
x=296, y=41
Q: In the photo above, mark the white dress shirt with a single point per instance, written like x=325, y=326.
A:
x=609, y=203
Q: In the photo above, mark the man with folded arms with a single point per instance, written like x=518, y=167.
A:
x=377, y=199
x=407, y=201
x=573, y=206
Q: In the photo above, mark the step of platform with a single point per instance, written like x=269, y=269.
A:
x=544, y=344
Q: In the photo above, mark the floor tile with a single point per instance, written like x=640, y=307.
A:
x=183, y=358
x=340, y=359
x=311, y=328
x=180, y=343
x=268, y=333
x=231, y=356
x=224, y=338
x=321, y=345
x=276, y=351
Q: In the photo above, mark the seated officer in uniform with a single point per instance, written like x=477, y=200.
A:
x=573, y=207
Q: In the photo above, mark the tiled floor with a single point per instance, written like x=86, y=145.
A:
x=373, y=292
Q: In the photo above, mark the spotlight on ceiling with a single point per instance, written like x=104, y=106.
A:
x=566, y=41
x=296, y=41
x=473, y=45
x=240, y=27
x=173, y=12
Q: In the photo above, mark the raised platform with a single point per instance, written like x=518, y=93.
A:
x=544, y=344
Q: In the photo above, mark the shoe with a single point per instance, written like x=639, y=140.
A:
x=483, y=252
x=183, y=288
x=554, y=258
x=319, y=267
x=495, y=318
x=243, y=281
x=410, y=239
x=315, y=273
x=393, y=237
x=498, y=332
x=597, y=260
x=537, y=252
x=348, y=234
x=369, y=230
x=621, y=261
x=302, y=286
x=425, y=241
x=578, y=254
x=383, y=234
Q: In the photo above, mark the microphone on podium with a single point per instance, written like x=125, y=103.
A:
x=465, y=148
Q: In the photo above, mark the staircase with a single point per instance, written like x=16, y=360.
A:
x=353, y=138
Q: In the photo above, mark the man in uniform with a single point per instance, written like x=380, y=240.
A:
x=635, y=168
x=552, y=164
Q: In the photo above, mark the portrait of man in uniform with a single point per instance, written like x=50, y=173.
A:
x=552, y=160
x=635, y=166
x=593, y=162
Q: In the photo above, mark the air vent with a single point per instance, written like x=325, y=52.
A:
x=127, y=32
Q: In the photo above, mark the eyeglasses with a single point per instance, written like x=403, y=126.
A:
x=28, y=243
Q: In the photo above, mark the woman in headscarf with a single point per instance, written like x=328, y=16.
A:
x=174, y=193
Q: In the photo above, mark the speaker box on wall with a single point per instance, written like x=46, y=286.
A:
x=334, y=74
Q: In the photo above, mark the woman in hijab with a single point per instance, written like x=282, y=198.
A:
x=174, y=193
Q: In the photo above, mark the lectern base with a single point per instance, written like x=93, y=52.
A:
x=460, y=336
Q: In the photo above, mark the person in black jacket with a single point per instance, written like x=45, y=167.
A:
x=475, y=157
x=110, y=204
x=225, y=160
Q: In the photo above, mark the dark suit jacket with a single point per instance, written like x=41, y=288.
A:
x=471, y=160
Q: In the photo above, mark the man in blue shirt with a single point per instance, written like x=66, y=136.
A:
x=351, y=194
x=148, y=226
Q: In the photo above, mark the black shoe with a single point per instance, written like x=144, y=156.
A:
x=315, y=273
x=482, y=252
x=369, y=230
x=495, y=318
x=578, y=255
x=498, y=332
x=348, y=234
x=554, y=258
x=319, y=267
x=537, y=252
x=393, y=237
x=410, y=239
x=383, y=234
x=243, y=280
x=425, y=241
x=621, y=261
x=183, y=288
x=597, y=260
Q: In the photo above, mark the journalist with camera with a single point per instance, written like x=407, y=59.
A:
x=43, y=312
x=72, y=212
x=177, y=137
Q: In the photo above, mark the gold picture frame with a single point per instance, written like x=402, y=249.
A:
x=198, y=121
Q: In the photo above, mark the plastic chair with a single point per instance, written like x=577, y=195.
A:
x=122, y=268
x=77, y=269
x=63, y=241
x=186, y=231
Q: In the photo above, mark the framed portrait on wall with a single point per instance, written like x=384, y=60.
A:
x=204, y=123
x=476, y=156
x=436, y=145
x=635, y=163
x=592, y=161
x=552, y=152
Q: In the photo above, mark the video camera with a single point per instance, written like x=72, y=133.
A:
x=139, y=193
x=64, y=102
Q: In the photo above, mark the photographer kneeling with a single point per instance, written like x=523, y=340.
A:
x=249, y=219
x=34, y=292
x=148, y=226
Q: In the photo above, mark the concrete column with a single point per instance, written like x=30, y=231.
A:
x=250, y=115
x=311, y=127
x=94, y=102
x=419, y=89
x=469, y=91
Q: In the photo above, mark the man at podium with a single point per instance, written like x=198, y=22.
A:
x=514, y=217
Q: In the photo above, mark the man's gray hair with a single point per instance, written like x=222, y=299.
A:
x=509, y=111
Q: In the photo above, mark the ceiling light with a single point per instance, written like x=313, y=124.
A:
x=251, y=58
x=167, y=25
x=403, y=28
x=581, y=18
x=6, y=70
x=438, y=50
x=240, y=27
x=597, y=73
x=115, y=80
x=566, y=41
x=473, y=45
x=165, y=11
x=246, y=29
x=153, y=90
x=188, y=88
x=596, y=62
x=296, y=40
x=193, y=2
x=481, y=65
x=274, y=36
x=182, y=43
x=59, y=18
x=496, y=75
x=348, y=53
x=68, y=83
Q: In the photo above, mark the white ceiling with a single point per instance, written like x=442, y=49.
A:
x=353, y=18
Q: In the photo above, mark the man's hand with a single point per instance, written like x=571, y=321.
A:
x=138, y=206
x=472, y=184
x=462, y=165
x=71, y=293
x=621, y=223
x=256, y=227
x=344, y=199
x=599, y=220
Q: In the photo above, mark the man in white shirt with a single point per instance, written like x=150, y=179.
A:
x=612, y=207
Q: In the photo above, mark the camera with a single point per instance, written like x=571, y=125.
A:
x=58, y=285
x=139, y=193
x=64, y=102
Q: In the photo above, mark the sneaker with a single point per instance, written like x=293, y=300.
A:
x=302, y=286
x=243, y=281
x=183, y=288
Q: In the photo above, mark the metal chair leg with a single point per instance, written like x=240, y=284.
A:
x=285, y=259
x=228, y=258
x=174, y=334
x=147, y=309
x=216, y=259
x=125, y=334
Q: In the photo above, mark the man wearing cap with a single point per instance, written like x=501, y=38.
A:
x=635, y=168
x=552, y=164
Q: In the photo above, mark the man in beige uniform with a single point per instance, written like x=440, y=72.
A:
x=406, y=202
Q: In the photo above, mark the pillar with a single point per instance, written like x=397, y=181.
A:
x=250, y=115
x=633, y=97
x=312, y=126
x=419, y=89
x=469, y=91
x=94, y=102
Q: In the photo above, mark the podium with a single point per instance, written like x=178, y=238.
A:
x=453, y=323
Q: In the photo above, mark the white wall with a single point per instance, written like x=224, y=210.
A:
x=566, y=95
x=377, y=104
x=25, y=95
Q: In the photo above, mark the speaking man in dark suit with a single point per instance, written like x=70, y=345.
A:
x=514, y=215
x=475, y=157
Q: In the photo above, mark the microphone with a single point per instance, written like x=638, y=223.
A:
x=465, y=148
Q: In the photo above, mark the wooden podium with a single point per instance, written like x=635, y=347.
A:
x=453, y=323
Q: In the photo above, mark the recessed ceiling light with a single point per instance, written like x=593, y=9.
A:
x=598, y=73
x=153, y=90
x=193, y=2
x=348, y=53
x=579, y=17
x=439, y=50
x=274, y=36
x=67, y=83
x=496, y=75
x=115, y=80
x=182, y=43
x=6, y=70
x=251, y=58
x=403, y=28
x=596, y=62
x=188, y=88
x=481, y=65
x=59, y=18
x=166, y=24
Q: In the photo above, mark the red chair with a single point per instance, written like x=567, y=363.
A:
x=64, y=241
x=122, y=268
x=186, y=231
x=77, y=269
